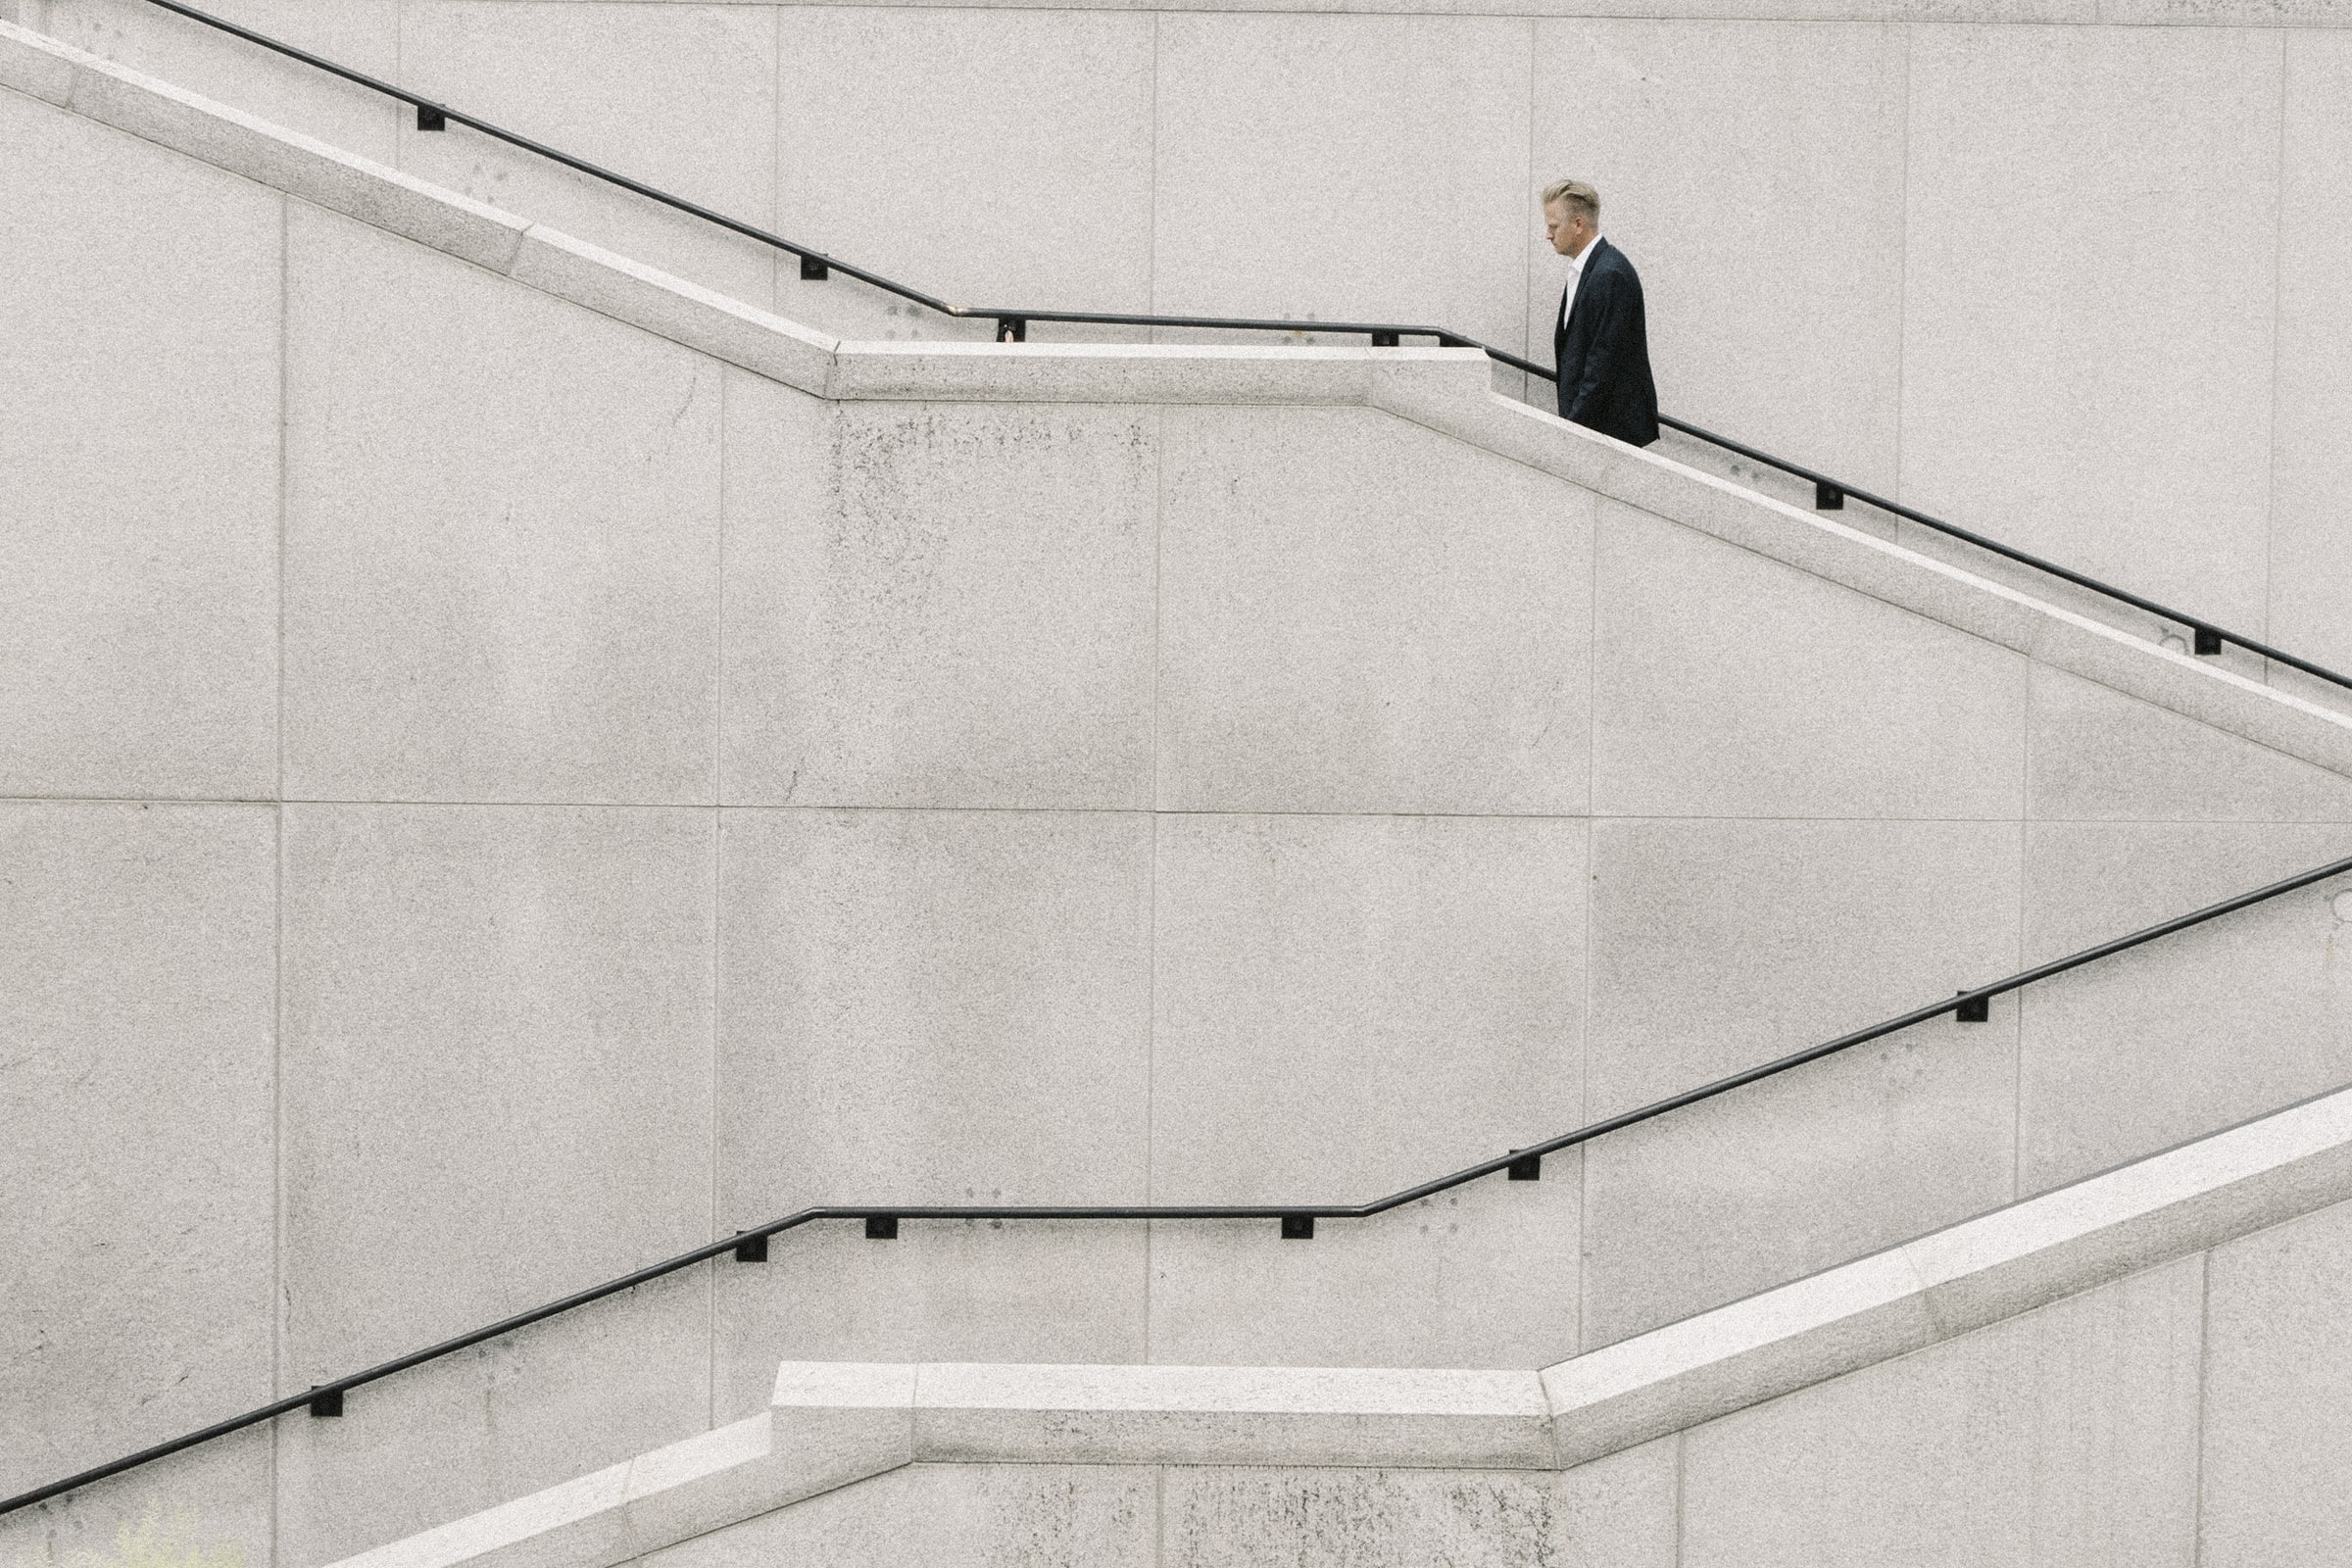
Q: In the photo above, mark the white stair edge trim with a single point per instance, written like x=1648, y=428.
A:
x=1447, y=390
x=1949, y=1282
x=657, y=1499
x=835, y=1422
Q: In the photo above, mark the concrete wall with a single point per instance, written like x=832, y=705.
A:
x=500, y=796
x=2193, y=1413
x=2065, y=271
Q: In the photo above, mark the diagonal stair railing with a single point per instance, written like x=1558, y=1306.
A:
x=1296, y=1220
x=1013, y=326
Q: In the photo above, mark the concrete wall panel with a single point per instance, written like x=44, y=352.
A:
x=984, y=156
x=553, y=966
x=2311, y=568
x=890, y=568
x=2093, y=754
x=2156, y=1046
x=1481, y=1276
x=1617, y=1513
x=1351, y=169
x=2225, y=12
x=1347, y=1007
x=364, y=34
x=137, y=981
x=1795, y=1174
x=485, y=1425
x=1346, y=975
x=138, y=477
x=2278, y=1384
x=2086, y=368
x=1729, y=685
x=2066, y=1436
x=1720, y=945
x=498, y=1038
x=215, y=1501
x=952, y=1516
x=939, y=1007
x=1754, y=176
x=961, y=1291
x=679, y=97
x=1359, y=615
x=501, y=559
x=913, y=998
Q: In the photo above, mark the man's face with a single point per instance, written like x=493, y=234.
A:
x=1566, y=228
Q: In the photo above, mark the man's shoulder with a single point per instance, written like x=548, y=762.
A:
x=1611, y=258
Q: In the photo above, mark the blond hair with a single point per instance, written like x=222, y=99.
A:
x=1580, y=197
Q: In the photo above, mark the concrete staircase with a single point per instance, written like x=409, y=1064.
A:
x=2030, y=1386
x=1287, y=773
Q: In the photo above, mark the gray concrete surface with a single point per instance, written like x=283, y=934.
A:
x=508, y=868
x=1296, y=602
x=137, y=1249
x=2036, y=1385
x=143, y=408
x=2314, y=399
x=1809, y=186
x=2069, y=1436
x=560, y=542
x=2274, y=1434
x=1051, y=186
x=495, y=1084
x=889, y=566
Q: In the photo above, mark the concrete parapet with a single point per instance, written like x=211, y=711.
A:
x=1954, y=1281
x=1229, y=1415
x=834, y=1423
x=1445, y=389
x=1160, y=155
x=641, y=1505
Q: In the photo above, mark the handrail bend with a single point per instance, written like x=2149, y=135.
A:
x=1297, y=1219
x=1013, y=326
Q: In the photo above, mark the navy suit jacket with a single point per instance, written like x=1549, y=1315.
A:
x=1602, y=351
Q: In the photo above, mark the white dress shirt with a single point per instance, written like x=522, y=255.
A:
x=1576, y=275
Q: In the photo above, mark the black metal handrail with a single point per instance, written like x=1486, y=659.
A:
x=1013, y=326
x=1296, y=1220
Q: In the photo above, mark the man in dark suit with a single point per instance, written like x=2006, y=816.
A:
x=1599, y=339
